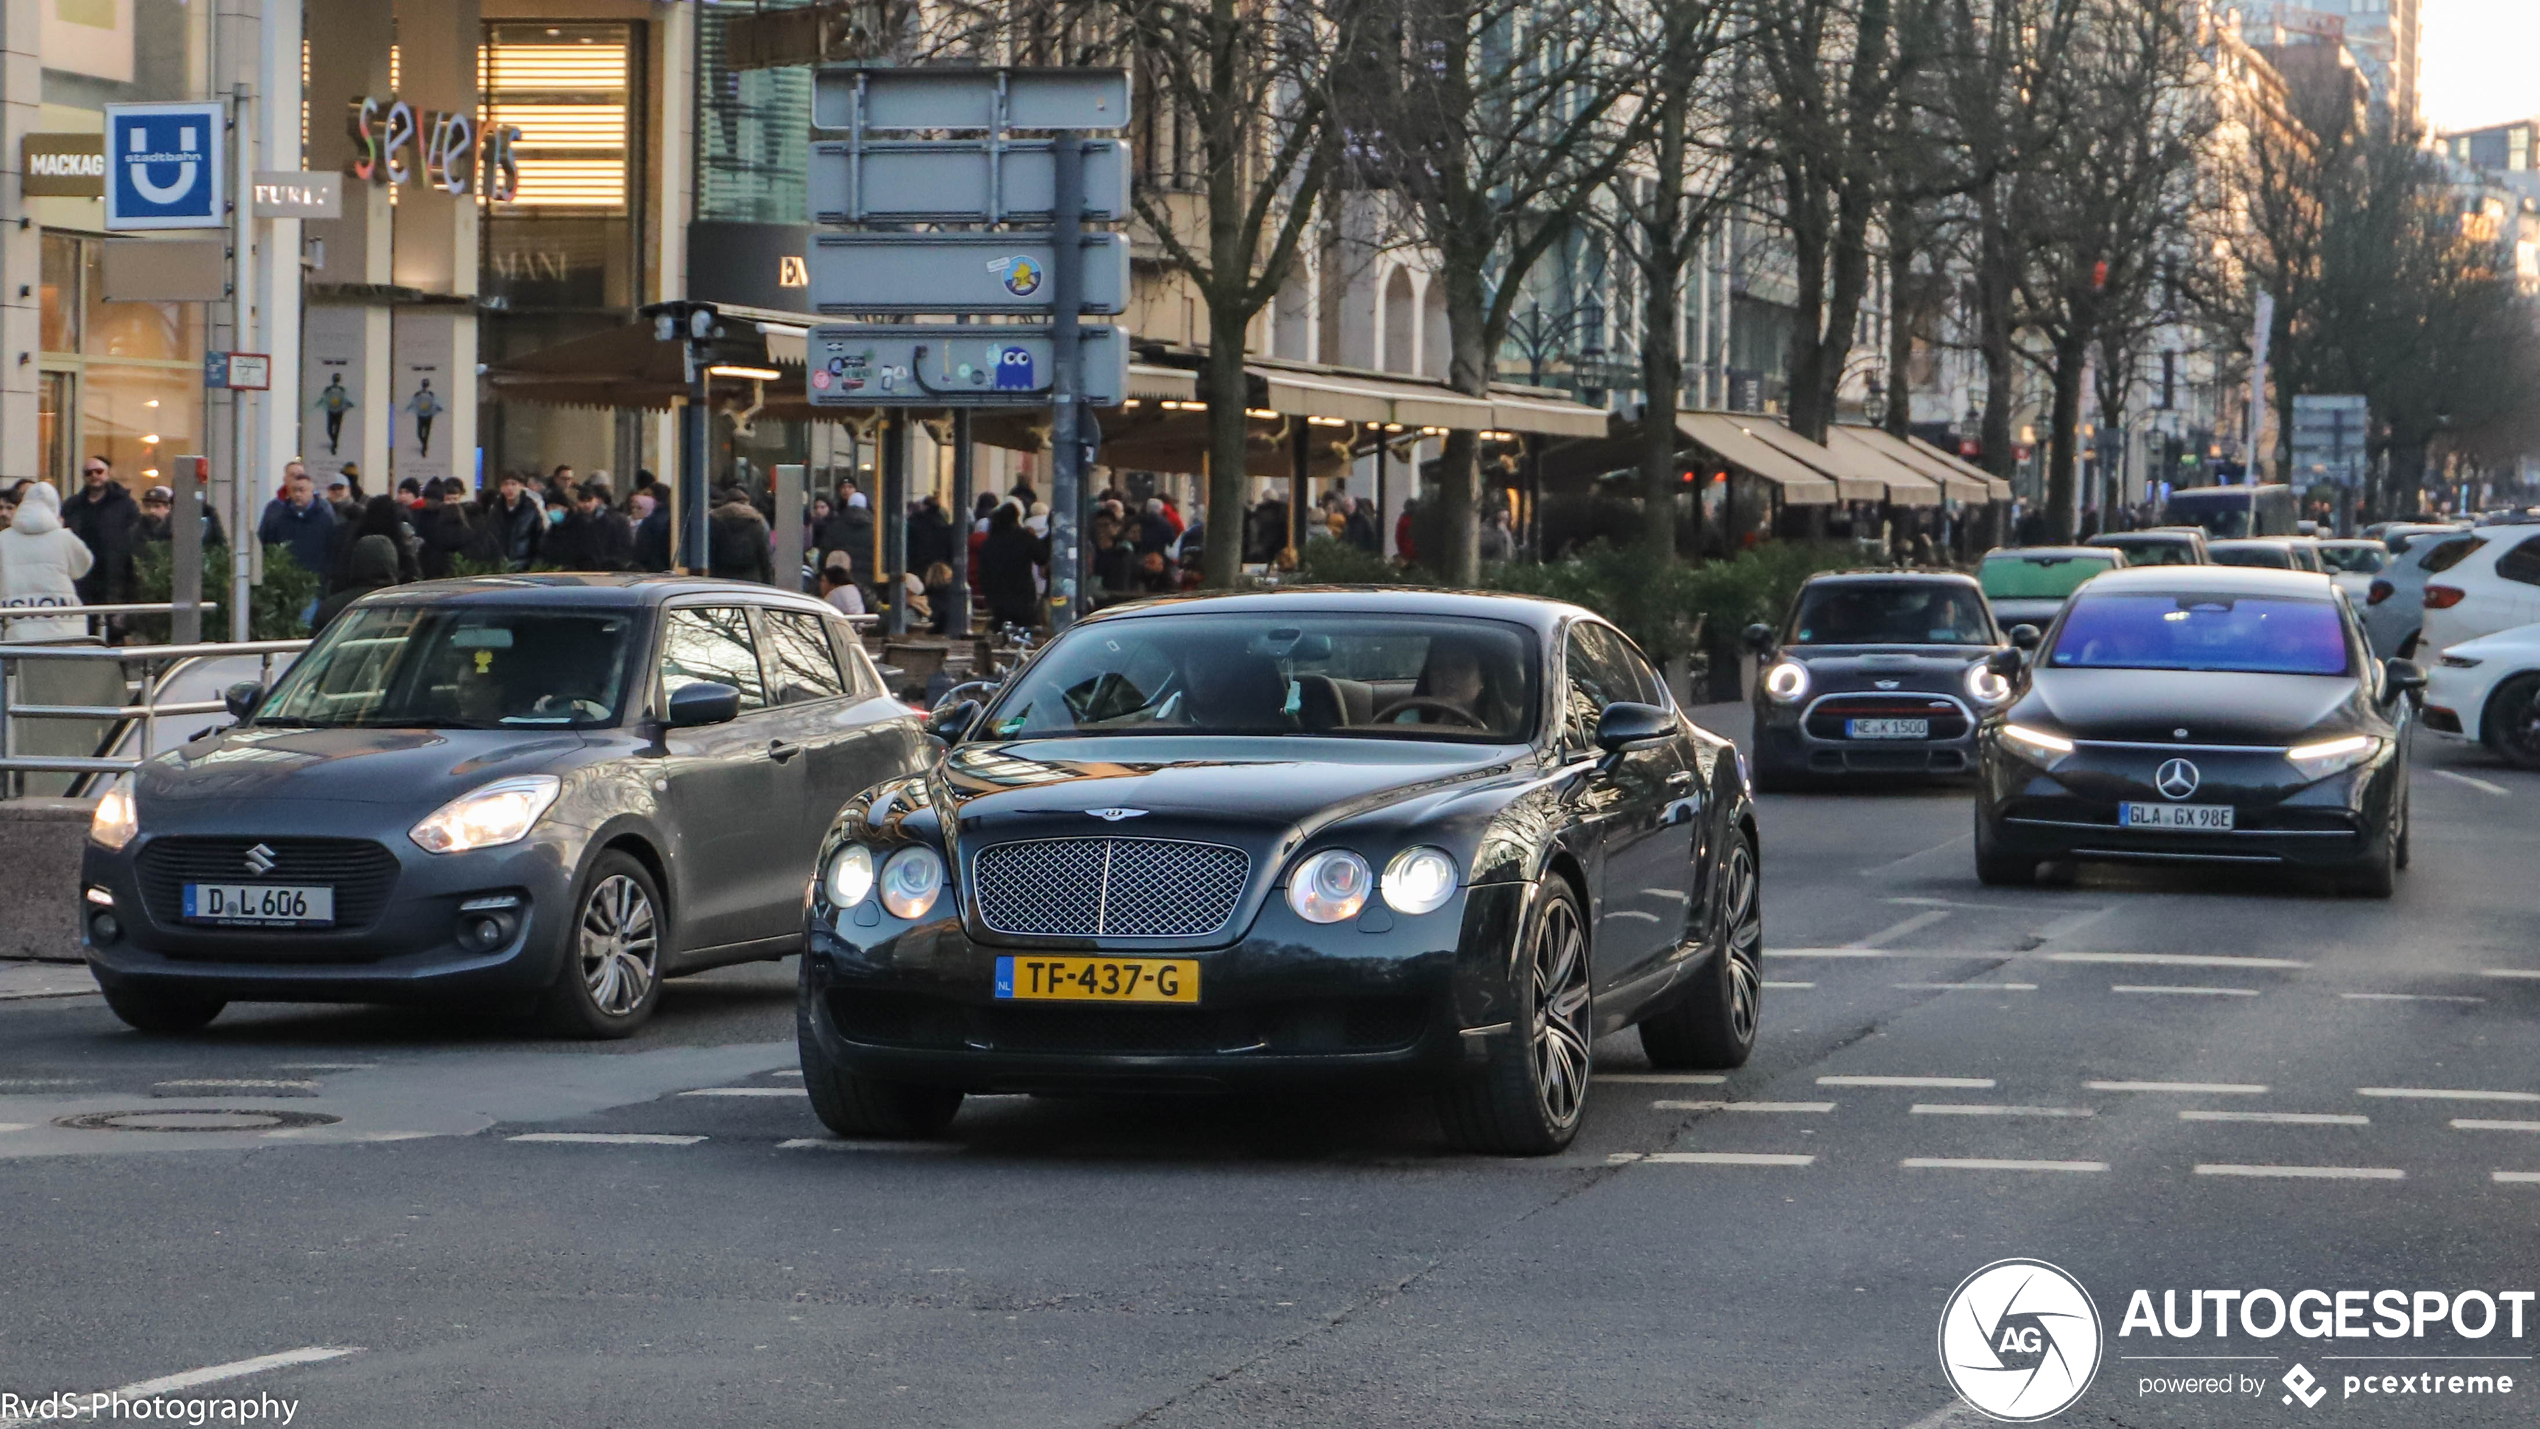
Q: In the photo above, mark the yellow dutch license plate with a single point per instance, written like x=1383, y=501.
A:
x=1066, y=979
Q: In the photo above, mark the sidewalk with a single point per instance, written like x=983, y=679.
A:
x=20, y=981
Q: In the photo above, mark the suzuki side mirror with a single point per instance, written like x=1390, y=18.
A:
x=240, y=699
x=1759, y=637
x=703, y=703
x=2026, y=637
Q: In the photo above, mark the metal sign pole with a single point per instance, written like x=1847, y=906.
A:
x=1067, y=475
x=894, y=520
x=965, y=486
x=243, y=483
x=692, y=474
x=185, y=555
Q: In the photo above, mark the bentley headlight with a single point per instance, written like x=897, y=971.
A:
x=114, y=823
x=1986, y=687
x=911, y=880
x=850, y=876
x=1330, y=886
x=2329, y=756
x=1419, y=880
x=1786, y=681
x=500, y=813
x=2036, y=745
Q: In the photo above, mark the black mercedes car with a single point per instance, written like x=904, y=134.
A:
x=1874, y=673
x=1252, y=840
x=506, y=790
x=2201, y=714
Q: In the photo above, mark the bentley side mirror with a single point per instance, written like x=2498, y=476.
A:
x=703, y=703
x=1625, y=725
x=240, y=699
x=1759, y=637
x=2025, y=637
x=2406, y=676
x=950, y=722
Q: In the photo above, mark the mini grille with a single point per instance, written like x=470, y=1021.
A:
x=1120, y=888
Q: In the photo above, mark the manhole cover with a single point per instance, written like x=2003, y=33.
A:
x=195, y=1119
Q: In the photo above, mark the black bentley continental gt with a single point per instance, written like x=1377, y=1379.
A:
x=2201, y=714
x=1256, y=840
x=1874, y=673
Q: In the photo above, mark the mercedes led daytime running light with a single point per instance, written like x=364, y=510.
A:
x=2329, y=756
x=2036, y=745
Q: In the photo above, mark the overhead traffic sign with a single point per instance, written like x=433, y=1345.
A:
x=961, y=273
x=849, y=97
x=163, y=166
x=936, y=365
x=961, y=181
x=2331, y=438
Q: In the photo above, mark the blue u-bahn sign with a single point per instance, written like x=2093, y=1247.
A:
x=163, y=166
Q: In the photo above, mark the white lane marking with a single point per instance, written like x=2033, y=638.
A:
x=66, y=992
x=1687, y=1079
x=2307, y=1173
x=1985, y=1163
x=1976, y=1083
x=1725, y=1158
x=238, y=1084
x=747, y=1092
x=14, y=1084
x=2525, y=1177
x=2471, y=1123
x=2281, y=1118
x=1741, y=1106
x=212, y=1374
x=608, y=1138
x=1964, y=986
x=822, y=1143
x=15, y=1125
x=1789, y=986
x=2175, y=960
x=1996, y=1109
x=2405, y=997
x=796, y=1074
x=2499, y=790
x=327, y=1066
x=2184, y=991
x=2231, y=1089
x=1910, y=926
x=1860, y=953
x=2446, y=1094
x=2512, y=972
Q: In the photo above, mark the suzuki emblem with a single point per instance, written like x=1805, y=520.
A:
x=2176, y=779
x=1113, y=816
x=260, y=859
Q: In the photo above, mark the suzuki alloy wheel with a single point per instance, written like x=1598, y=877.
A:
x=1528, y=1097
x=1713, y=1028
x=611, y=978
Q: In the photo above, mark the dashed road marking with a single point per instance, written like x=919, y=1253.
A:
x=1986, y=1163
x=2177, y=960
x=608, y=1138
x=2184, y=990
x=822, y=1143
x=1788, y=986
x=237, y=1084
x=2226, y=1089
x=1690, y=1079
x=1721, y=1158
x=2468, y=1123
x=1971, y=1083
x=1742, y=1106
x=15, y=1125
x=2483, y=786
x=2512, y=972
x=1995, y=1109
x=39, y=1084
x=747, y=1092
x=797, y=1073
x=2447, y=1094
x=2405, y=997
x=2281, y=1118
x=326, y=1066
x=2521, y=1177
x=2307, y=1173
x=1965, y=986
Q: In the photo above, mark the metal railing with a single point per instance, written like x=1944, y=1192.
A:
x=158, y=667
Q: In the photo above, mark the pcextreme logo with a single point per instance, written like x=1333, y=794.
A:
x=2020, y=1340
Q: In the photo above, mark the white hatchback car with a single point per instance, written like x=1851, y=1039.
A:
x=2494, y=586
x=2394, y=606
x=2487, y=691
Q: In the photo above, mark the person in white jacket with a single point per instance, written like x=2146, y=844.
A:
x=39, y=563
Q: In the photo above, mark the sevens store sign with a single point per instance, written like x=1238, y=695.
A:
x=394, y=142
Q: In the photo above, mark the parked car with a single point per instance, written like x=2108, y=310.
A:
x=2494, y=585
x=1874, y=673
x=2353, y=564
x=2157, y=546
x=2275, y=553
x=2487, y=691
x=2027, y=585
x=2212, y=714
x=2394, y=605
x=1310, y=836
x=485, y=791
x=2234, y=512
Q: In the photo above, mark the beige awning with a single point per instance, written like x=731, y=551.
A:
x=1731, y=437
x=1854, y=479
x=1162, y=384
x=1955, y=485
x=1370, y=399
x=2000, y=489
x=1907, y=483
x=1545, y=416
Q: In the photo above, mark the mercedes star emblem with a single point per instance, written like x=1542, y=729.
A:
x=1113, y=816
x=2176, y=779
x=260, y=859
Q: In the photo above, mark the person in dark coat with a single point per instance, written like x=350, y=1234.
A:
x=374, y=567
x=448, y=529
x=930, y=535
x=519, y=518
x=849, y=529
x=1006, y=560
x=158, y=514
x=737, y=542
x=652, y=531
x=385, y=517
x=103, y=516
x=612, y=540
x=298, y=522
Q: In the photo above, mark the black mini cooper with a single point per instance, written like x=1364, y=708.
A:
x=1874, y=673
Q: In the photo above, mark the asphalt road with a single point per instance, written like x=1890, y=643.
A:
x=1771, y=1249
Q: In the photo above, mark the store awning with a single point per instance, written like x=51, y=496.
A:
x=1732, y=438
x=1384, y=399
x=1515, y=411
x=1854, y=480
x=1907, y=483
x=1951, y=461
x=1953, y=485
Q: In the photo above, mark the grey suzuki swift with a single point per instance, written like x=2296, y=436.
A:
x=504, y=790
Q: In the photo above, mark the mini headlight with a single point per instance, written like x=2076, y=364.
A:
x=1330, y=886
x=910, y=882
x=500, y=813
x=1786, y=681
x=1419, y=880
x=114, y=823
x=850, y=876
x=2036, y=745
x=1986, y=687
x=2328, y=756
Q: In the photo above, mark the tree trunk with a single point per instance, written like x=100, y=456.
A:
x=1807, y=331
x=1458, y=561
x=1662, y=366
x=1222, y=553
x=1903, y=237
x=2063, y=493
x=1994, y=281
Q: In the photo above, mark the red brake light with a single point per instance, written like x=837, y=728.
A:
x=2444, y=597
x=2380, y=592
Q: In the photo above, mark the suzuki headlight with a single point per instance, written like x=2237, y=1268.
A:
x=2329, y=756
x=500, y=813
x=911, y=880
x=850, y=876
x=2036, y=745
x=1786, y=681
x=1330, y=886
x=1419, y=880
x=114, y=823
x=1986, y=687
